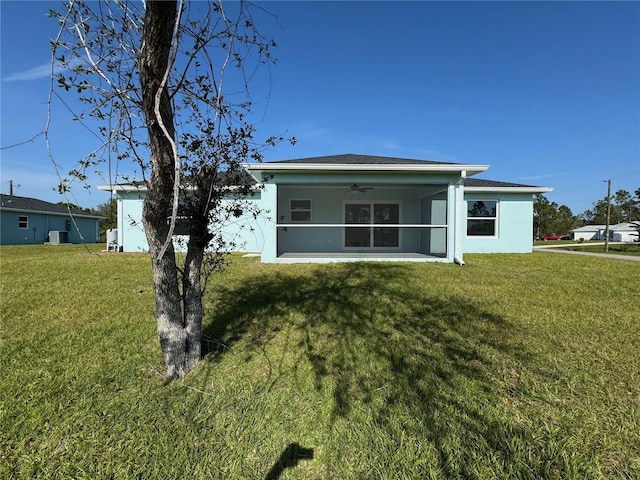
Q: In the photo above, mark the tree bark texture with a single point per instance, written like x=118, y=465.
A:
x=179, y=331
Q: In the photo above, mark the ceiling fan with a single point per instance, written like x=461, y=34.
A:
x=355, y=188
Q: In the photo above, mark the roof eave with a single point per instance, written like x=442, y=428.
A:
x=353, y=167
x=122, y=188
x=48, y=212
x=143, y=188
x=509, y=189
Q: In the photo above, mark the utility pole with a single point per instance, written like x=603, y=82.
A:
x=606, y=230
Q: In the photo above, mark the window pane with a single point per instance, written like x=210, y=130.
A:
x=300, y=210
x=357, y=213
x=300, y=216
x=356, y=237
x=481, y=227
x=386, y=213
x=300, y=204
x=486, y=208
x=182, y=225
x=386, y=237
x=23, y=222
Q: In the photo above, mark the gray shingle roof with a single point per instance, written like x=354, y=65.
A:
x=35, y=205
x=480, y=182
x=352, y=159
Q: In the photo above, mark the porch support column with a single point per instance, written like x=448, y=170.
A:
x=459, y=227
x=269, y=198
x=119, y=222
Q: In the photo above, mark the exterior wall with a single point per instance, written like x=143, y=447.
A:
x=586, y=235
x=624, y=236
x=245, y=231
x=424, y=199
x=433, y=210
x=131, y=235
x=40, y=224
x=514, y=228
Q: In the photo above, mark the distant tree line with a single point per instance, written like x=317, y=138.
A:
x=108, y=211
x=549, y=218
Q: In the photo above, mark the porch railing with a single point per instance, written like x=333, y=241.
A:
x=424, y=239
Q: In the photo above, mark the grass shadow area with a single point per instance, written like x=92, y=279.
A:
x=417, y=380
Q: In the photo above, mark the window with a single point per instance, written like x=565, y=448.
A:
x=371, y=215
x=23, y=221
x=300, y=210
x=182, y=226
x=482, y=218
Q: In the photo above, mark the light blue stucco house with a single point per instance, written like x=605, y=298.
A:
x=25, y=220
x=362, y=207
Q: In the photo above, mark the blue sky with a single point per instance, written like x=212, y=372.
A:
x=547, y=93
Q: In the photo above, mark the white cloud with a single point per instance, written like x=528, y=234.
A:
x=35, y=73
x=540, y=177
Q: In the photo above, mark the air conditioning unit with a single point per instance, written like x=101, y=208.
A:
x=56, y=237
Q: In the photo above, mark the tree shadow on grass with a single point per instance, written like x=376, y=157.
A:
x=289, y=458
x=390, y=342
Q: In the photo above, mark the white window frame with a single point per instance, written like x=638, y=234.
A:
x=371, y=225
x=494, y=218
x=20, y=222
x=300, y=210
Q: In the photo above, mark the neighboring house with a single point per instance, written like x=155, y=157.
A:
x=620, y=232
x=588, y=232
x=361, y=207
x=26, y=220
x=624, y=232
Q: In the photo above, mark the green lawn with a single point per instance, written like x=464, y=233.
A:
x=514, y=366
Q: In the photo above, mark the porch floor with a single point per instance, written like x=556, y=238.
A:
x=326, y=257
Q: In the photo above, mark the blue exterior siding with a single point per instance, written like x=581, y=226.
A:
x=432, y=217
x=40, y=224
x=514, y=224
x=417, y=206
x=131, y=236
x=246, y=232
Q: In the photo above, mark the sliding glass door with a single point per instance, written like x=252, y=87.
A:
x=370, y=218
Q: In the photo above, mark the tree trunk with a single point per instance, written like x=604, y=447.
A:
x=193, y=309
x=177, y=339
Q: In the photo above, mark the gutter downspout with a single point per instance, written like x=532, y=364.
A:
x=457, y=251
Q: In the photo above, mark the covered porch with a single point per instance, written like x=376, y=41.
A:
x=363, y=221
x=361, y=207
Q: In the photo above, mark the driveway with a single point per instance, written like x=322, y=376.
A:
x=559, y=249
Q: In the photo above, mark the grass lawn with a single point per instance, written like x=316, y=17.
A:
x=514, y=366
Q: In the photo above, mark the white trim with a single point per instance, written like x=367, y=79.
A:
x=508, y=189
x=399, y=225
x=366, y=167
x=495, y=218
x=23, y=216
x=310, y=210
x=127, y=187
